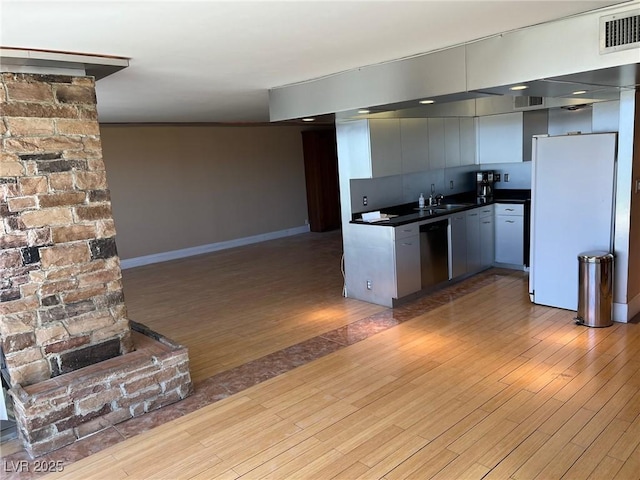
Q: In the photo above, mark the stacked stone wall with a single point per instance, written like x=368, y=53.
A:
x=61, y=300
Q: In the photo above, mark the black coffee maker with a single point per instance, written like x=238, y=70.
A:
x=485, y=181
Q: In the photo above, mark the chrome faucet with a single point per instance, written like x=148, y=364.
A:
x=439, y=198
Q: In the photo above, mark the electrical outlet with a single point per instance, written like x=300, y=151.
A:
x=365, y=201
x=433, y=188
x=506, y=177
x=368, y=284
x=451, y=184
x=496, y=177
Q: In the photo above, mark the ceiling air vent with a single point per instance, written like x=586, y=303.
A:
x=527, y=103
x=620, y=31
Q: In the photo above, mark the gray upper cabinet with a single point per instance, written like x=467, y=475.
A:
x=436, y=143
x=385, y=147
x=452, y=142
x=371, y=147
x=467, y=141
x=431, y=143
x=506, y=138
x=500, y=138
x=386, y=150
x=414, y=135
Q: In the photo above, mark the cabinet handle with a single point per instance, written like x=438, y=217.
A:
x=509, y=209
x=407, y=244
x=473, y=214
x=410, y=230
x=486, y=222
x=510, y=221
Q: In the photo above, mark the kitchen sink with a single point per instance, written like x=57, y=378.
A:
x=452, y=206
x=427, y=211
x=439, y=209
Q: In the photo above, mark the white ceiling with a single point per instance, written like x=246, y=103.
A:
x=214, y=61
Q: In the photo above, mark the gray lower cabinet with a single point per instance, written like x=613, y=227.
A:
x=383, y=264
x=407, y=264
x=509, y=230
x=480, y=238
x=509, y=240
x=476, y=243
x=458, y=244
x=473, y=241
x=407, y=275
x=487, y=240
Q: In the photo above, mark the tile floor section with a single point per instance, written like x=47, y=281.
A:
x=14, y=465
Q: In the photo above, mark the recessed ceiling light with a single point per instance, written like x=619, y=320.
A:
x=579, y=92
x=364, y=110
x=426, y=102
x=309, y=119
x=519, y=87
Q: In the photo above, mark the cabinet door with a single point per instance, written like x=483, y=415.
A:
x=436, y=143
x=414, y=137
x=452, y=142
x=500, y=138
x=386, y=154
x=408, y=275
x=467, y=141
x=509, y=239
x=473, y=241
x=458, y=244
x=486, y=241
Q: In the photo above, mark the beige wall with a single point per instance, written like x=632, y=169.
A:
x=175, y=187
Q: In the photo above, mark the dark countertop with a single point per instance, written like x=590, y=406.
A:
x=409, y=212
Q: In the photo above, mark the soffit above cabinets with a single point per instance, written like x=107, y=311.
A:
x=389, y=83
x=554, y=60
x=552, y=88
x=626, y=76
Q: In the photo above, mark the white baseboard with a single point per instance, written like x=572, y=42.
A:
x=511, y=266
x=211, y=247
x=624, y=312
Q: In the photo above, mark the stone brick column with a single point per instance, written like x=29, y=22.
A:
x=61, y=300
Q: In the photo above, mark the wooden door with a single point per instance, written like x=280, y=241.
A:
x=321, y=173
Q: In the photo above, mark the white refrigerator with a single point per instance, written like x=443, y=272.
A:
x=572, y=211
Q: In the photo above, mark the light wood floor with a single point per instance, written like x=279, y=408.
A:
x=237, y=305
x=487, y=386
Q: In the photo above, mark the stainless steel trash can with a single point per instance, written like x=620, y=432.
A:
x=595, y=289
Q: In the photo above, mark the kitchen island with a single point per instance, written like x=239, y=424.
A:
x=417, y=250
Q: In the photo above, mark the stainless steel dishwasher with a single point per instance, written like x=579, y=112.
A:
x=434, y=256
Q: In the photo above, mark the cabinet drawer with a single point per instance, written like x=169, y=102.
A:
x=509, y=209
x=485, y=211
x=404, y=231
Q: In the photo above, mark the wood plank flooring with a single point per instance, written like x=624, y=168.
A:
x=485, y=386
x=237, y=305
